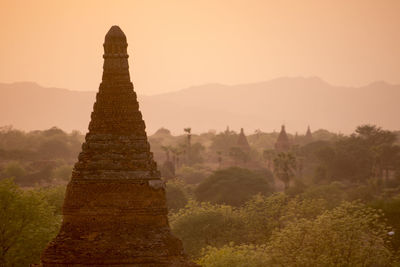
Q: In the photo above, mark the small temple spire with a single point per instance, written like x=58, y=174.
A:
x=282, y=143
x=308, y=136
x=242, y=141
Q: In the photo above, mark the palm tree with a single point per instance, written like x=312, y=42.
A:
x=166, y=150
x=174, y=151
x=285, y=167
x=189, y=136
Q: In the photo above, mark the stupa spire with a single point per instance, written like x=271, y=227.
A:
x=115, y=212
x=115, y=67
x=282, y=143
x=242, y=141
x=308, y=136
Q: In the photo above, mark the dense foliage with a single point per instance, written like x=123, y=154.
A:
x=349, y=235
x=27, y=223
x=38, y=157
x=233, y=186
x=332, y=200
x=202, y=224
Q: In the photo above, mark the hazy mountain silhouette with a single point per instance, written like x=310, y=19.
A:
x=296, y=102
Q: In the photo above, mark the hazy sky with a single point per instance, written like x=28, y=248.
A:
x=179, y=43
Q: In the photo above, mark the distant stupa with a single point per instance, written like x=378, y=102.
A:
x=242, y=142
x=115, y=211
x=282, y=143
x=308, y=137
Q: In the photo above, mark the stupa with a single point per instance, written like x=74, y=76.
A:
x=242, y=142
x=308, y=137
x=282, y=143
x=115, y=211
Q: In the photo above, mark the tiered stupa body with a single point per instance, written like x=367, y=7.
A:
x=282, y=143
x=242, y=141
x=115, y=212
x=308, y=137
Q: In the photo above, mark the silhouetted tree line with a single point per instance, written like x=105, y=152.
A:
x=333, y=200
x=38, y=156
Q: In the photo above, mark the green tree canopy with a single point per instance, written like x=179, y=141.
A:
x=235, y=256
x=349, y=235
x=13, y=170
x=27, y=224
x=62, y=173
x=176, y=197
x=233, y=186
x=285, y=167
x=202, y=225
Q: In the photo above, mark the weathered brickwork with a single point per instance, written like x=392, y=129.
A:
x=115, y=212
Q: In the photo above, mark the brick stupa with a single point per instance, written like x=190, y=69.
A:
x=308, y=137
x=115, y=211
x=242, y=141
x=282, y=143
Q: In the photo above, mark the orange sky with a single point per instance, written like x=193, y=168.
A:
x=178, y=43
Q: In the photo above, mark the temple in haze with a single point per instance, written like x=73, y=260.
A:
x=282, y=143
x=242, y=142
x=308, y=137
x=115, y=211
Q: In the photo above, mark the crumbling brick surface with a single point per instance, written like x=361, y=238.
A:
x=115, y=211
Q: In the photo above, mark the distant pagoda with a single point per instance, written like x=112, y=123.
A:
x=282, y=143
x=242, y=142
x=308, y=137
x=115, y=211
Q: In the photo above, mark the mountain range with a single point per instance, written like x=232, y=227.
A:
x=294, y=101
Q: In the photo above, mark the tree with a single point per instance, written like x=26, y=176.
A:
x=62, y=173
x=167, y=170
x=195, y=153
x=263, y=214
x=13, y=170
x=193, y=174
x=233, y=186
x=27, y=224
x=168, y=167
x=189, y=144
x=199, y=225
x=176, y=198
x=235, y=256
x=55, y=197
x=333, y=193
x=268, y=156
x=349, y=235
x=219, y=158
x=285, y=167
x=391, y=209
x=166, y=149
x=55, y=147
x=224, y=141
x=238, y=155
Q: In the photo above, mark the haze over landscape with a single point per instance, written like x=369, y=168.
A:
x=228, y=54
x=205, y=133
x=296, y=102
